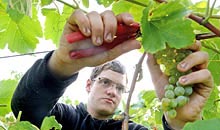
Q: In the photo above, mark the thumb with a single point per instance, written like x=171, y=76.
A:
x=158, y=78
x=154, y=68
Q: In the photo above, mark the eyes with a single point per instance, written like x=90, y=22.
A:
x=106, y=83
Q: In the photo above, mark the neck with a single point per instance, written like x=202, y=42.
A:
x=97, y=115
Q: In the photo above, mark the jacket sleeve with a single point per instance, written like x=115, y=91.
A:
x=165, y=124
x=38, y=91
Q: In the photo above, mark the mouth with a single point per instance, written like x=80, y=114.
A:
x=109, y=100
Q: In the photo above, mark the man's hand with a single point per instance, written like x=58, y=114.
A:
x=100, y=27
x=201, y=79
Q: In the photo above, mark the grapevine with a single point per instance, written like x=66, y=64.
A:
x=176, y=95
x=20, y=29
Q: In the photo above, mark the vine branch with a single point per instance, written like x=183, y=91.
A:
x=200, y=20
x=161, y=1
x=205, y=36
x=71, y=6
x=136, y=72
x=207, y=25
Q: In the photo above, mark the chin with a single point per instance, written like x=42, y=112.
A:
x=107, y=112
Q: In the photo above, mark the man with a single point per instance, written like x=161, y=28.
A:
x=45, y=82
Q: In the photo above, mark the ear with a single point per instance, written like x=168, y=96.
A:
x=88, y=85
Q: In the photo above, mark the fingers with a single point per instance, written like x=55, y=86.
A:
x=97, y=27
x=198, y=60
x=110, y=25
x=202, y=76
x=79, y=19
x=101, y=27
x=125, y=18
x=196, y=46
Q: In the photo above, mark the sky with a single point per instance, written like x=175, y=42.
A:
x=75, y=91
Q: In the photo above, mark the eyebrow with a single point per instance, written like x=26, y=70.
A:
x=121, y=85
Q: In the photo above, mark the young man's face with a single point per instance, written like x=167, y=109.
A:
x=105, y=93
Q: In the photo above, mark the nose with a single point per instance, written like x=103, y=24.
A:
x=112, y=90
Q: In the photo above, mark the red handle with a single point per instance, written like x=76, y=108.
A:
x=76, y=54
x=124, y=33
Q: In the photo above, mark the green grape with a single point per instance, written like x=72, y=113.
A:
x=188, y=90
x=172, y=113
x=181, y=100
x=169, y=87
x=178, y=74
x=180, y=57
x=173, y=103
x=179, y=91
x=173, y=71
x=159, y=61
x=165, y=104
x=178, y=84
x=173, y=79
x=166, y=72
x=169, y=94
x=176, y=95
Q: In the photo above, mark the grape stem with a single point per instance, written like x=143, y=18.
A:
x=136, y=73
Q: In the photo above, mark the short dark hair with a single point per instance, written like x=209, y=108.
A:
x=112, y=65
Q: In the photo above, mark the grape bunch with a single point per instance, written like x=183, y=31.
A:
x=176, y=95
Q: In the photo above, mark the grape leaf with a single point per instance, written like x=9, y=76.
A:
x=121, y=6
x=46, y=2
x=7, y=88
x=214, y=63
x=86, y=3
x=50, y=123
x=106, y=3
x=22, y=6
x=214, y=58
x=133, y=9
x=23, y=125
x=19, y=31
x=148, y=97
x=55, y=22
x=212, y=124
x=211, y=107
x=2, y=7
x=166, y=25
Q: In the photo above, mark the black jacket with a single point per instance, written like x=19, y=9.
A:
x=37, y=95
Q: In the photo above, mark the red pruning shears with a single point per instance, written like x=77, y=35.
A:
x=124, y=32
